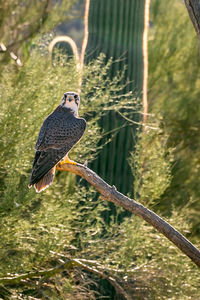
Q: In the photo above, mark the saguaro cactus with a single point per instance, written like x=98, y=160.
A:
x=116, y=28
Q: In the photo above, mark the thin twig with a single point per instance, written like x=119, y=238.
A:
x=137, y=123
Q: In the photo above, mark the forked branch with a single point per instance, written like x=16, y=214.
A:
x=110, y=193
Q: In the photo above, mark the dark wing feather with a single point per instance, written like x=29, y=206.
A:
x=58, y=134
x=44, y=161
x=42, y=132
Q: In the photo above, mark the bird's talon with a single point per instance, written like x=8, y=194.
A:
x=68, y=161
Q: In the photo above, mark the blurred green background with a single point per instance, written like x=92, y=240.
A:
x=158, y=164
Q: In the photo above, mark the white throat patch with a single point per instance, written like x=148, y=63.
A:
x=73, y=106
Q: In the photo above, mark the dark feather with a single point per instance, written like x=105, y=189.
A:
x=58, y=134
x=59, y=129
x=44, y=161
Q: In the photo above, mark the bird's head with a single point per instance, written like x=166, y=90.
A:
x=71, y=100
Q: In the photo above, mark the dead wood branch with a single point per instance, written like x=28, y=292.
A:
x=193, y=7
x=110, y=193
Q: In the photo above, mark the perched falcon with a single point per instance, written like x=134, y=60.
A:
x=61, y=130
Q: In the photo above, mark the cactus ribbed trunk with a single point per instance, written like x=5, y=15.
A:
x=116, y=29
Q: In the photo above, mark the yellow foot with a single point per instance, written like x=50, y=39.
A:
x=68, y=161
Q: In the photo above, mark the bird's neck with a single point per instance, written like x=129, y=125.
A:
x=73, y=110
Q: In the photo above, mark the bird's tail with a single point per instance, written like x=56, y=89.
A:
x=45, y=181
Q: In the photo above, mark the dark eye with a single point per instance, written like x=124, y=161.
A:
x=70, y=99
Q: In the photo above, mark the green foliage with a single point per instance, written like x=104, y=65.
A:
x=66, y=218
x=34, y=94
x=67, y=221
x=151, y=165
x=174, y=94
x=150, y=265
x=21, y=21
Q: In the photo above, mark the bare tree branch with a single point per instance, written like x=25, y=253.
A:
x=110, y=193
x=193, y=7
